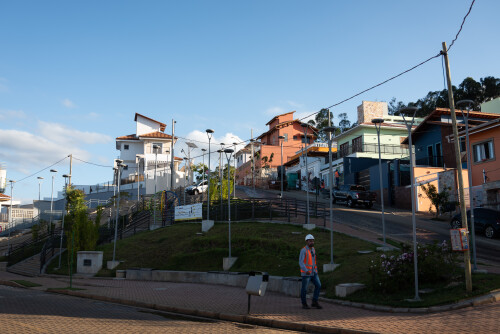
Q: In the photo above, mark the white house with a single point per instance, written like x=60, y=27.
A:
x=146, y=151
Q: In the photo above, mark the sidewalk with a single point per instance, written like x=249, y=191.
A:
x=273, y=310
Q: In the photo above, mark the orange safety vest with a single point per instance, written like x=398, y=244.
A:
x=308, y=261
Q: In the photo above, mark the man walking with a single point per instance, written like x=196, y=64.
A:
x=309, y=272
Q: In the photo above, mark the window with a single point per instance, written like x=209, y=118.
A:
x=483, y=151
x=463, y=147
x=125, y=147
x=344, y=149
x=294, y=137
x=126, y=167
x=286, y=136
x=158, y=150
x=357, y=144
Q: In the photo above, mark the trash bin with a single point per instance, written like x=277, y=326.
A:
x=256, y=285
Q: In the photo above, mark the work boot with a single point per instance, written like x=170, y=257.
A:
x=316, y=305
x=305, y=306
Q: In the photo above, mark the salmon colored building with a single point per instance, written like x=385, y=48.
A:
x=267, y=148
x=484, y=148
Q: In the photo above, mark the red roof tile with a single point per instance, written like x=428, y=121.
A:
x=156, y=134
x=128, y=137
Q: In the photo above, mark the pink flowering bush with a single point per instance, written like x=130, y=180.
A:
x=436, y=264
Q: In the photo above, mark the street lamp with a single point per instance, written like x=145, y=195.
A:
x=10, y=211
x=378, y=122
x=330, y=130
x=155, y=148
x=66, y=176
x=185, y=168
x=203, y=165
x=221, y=173
x=234, y=172
x=409, y=125
x=468, y=106
x=119, y=165
x=306, y=126
x=228, y=153
x=52, y=198
x=40, y=178
x=209, y=134
x=281, y=138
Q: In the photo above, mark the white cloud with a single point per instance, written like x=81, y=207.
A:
x=294, y=104
x=68, y=103
x=10, y=114
x=25, y=151
x=61, y=134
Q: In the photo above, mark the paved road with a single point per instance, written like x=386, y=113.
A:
x=31, y=311
x=398, y=224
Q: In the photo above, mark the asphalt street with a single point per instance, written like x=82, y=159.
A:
x=398, y=223
x=31, y=311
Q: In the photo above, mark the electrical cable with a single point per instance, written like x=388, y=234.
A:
x=41, y=170
x=461, y=26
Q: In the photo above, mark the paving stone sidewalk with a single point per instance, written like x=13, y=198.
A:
x=230, y=303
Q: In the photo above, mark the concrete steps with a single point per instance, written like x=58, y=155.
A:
x=29, y=267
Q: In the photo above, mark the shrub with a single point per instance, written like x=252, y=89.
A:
x=437, y=263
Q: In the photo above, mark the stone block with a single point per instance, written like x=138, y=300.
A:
x=327, y=267
x=206, y=225
x=228, y=262
x=309, y=226
x=88, y=262
x=120, y=273
x=112, y=264
x=344, y=289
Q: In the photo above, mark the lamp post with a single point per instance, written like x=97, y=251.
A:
x=209, y=134
x=40, y=178
x=228, y=153
x=185, y=169
x=138, y=177
x=119, y=165
x=253, y=164
x=221, y=174
x=468, y=105
x=52, y=198
x=281, y=138
x=378, y=122
x=234, y=172
x=155, y=148
x=10, y=211
x=306, y=126
x=412, y=111
x=330, y=130
x=66, y=176
x=203, y=165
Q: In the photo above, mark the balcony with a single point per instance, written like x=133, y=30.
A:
x=430, y=161
x=346, y=150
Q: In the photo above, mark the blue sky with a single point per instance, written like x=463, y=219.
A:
x=74, y=73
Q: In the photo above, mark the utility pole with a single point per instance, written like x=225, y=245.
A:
x=252, y=158
x=172, y=185
x=468, y=277
x=70, y=168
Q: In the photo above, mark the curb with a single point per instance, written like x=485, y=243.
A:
x=491, y=297
x=246, y=319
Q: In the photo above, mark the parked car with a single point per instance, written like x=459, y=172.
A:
x=486, y=221
x=353, y=194
x=196, y=189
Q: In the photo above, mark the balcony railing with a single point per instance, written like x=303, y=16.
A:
x=430, y=161
x=344, y=151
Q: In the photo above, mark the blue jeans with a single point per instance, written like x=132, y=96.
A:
x=305, y=283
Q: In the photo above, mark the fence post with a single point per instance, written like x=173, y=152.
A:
x=295, y=208
x=288, y=211
x=270, y=211
x=253, y=215
x=324, y=215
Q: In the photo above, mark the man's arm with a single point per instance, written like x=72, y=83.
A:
x=301, y=260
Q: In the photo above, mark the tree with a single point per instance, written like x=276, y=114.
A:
x=199, y=168
x=438, y=199
x=344, y=123
x=485, y=90
x=320, y=122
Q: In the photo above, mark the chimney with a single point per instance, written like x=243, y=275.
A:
x=369, y=110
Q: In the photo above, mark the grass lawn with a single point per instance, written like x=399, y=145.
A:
x=273, y=248
x=27, y=284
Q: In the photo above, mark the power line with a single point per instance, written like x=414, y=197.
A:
x=461, y=26
x=91, y=163
x=41, y=170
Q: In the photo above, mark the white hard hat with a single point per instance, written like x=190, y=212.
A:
x=309, y=237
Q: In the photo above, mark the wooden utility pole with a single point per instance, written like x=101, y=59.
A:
x=70, y=167
x=252, y=158
x=468, y=277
